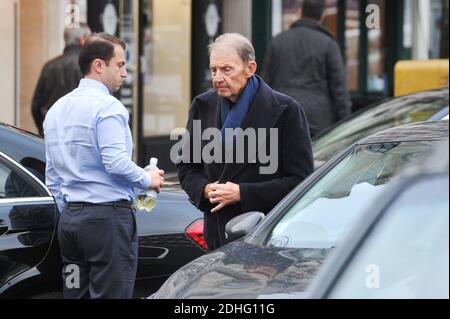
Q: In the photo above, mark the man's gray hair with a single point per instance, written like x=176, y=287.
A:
x=237, y=41
x=72, y=36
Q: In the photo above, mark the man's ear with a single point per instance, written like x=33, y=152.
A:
x=251, y=68
x=97, y=66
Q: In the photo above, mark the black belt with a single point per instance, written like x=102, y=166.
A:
x=122, y=204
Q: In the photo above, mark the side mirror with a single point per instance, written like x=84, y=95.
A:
x=241, y=225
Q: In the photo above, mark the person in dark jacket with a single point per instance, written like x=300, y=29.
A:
x=305, y=62
x=224, y=188
x=60, y=75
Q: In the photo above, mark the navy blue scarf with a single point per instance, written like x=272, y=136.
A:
x=233, y=115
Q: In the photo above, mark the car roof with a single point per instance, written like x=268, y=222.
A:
x=441, y=93
x=20, y=132
x=430, y=131
x=436, y=163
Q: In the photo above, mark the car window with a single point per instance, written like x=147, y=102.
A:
x=407, y=253
x=396, y=112
x=25, y=149
x=323, y=215
x=12, y=185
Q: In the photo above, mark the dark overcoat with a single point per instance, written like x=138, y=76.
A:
x=59, y=76
x=258, y=191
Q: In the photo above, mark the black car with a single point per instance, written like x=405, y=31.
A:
x=401, y=247
x=422, y=106
x=30, y=266
x=281, y=255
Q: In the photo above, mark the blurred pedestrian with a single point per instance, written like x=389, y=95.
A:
x=91, y=175
x=305, y=62
x=60, y=75
x=223, y=189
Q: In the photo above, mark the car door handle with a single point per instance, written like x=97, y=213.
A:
x=152, y=252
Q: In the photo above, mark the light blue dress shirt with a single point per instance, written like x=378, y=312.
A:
x=89, y=147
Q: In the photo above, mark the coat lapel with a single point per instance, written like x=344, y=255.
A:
x=217, y=168
x=218, y=115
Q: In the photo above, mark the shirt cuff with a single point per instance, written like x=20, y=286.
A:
x=147, y=180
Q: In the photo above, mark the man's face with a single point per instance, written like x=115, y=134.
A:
x=115, y=72
x=229, y=73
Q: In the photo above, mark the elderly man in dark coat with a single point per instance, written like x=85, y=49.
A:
x=241, y=178
x=305, y=62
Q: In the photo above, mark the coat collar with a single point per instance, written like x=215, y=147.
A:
x=72, y=48
x=265, y=102
x=265, y=109
x=311, y=24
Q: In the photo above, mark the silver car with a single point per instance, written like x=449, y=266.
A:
x=401, y=247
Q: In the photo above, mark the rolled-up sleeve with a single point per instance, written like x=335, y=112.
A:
x=112, y=131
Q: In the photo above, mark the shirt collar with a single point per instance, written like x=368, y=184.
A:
x=93, y=84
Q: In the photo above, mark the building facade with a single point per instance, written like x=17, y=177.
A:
x=167, y=58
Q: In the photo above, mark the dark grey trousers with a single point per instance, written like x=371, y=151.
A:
x=99, y=248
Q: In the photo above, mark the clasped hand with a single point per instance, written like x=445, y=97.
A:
x=222, y=194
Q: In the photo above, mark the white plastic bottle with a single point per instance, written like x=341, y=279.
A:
x=146, y=200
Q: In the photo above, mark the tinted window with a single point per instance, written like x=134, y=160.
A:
x=25, y=149
x=407, y=253
x=12, y=185
x=396, y=112
x=323, y=215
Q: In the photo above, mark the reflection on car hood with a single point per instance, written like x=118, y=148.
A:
x=242, y=270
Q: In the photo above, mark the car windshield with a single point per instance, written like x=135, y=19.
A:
x=399, y=111
x=322, y=216
x=406, y=255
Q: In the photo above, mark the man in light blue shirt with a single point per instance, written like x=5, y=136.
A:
x=91, y=175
